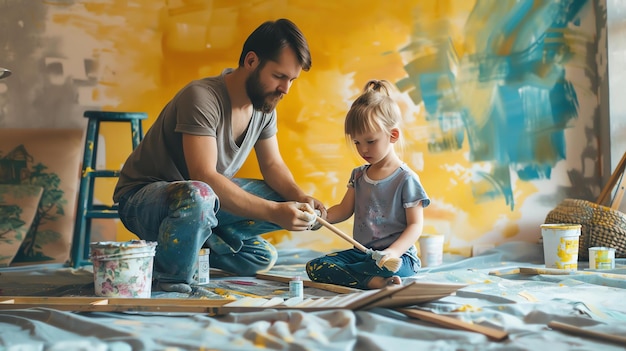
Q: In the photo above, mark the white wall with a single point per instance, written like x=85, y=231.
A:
x=616, y=27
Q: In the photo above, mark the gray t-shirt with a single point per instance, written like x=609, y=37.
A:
x=202, y=107
x=379, y=206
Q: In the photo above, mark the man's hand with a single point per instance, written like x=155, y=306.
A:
x=315, y=204
x=314, y=224
x=318, y=210
x=294, y=215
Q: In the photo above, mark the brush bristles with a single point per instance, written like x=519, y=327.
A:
x=393, y=264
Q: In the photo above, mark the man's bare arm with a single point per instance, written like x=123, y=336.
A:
x=278, y=176
x=201, y=159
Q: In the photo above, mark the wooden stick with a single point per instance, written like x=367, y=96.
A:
x=393, y=264
x=571, y=329
x=616, y=176
x=554, y=271
x=619, y=194
x=343, y=235
x=453, y=323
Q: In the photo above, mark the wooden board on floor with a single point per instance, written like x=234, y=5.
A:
x=578, y=331
x=453, y=323
x=402, y=295
x=554, y=271
x=103, y=304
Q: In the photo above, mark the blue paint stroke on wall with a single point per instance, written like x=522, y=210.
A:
x=516, y=53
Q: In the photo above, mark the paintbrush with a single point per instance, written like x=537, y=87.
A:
x=391, y=263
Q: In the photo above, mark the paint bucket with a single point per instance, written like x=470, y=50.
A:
x=123, y=269
x=431, y=250
x=601, y=257
x=560, y=245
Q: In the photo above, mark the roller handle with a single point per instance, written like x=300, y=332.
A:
x=343, y=235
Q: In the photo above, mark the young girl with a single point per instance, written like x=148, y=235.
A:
x=385, y=196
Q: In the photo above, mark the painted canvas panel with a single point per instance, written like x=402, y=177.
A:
x=18, y=206
x=500, y=98
x=47, y=158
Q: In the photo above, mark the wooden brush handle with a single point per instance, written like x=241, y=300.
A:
x=572, y=329
x=343, y=235
x=454, y=323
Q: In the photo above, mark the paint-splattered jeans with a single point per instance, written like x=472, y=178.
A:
x=182, y=217
x=354, y=268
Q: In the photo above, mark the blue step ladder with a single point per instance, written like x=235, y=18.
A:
x=86, y=210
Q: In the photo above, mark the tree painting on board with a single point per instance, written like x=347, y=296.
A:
x=15, y=170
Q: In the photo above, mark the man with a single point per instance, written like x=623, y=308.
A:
x=177, y=187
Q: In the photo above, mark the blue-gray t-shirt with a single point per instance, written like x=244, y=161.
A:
x=379, y=206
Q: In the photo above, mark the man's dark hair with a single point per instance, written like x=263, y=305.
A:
x=271, y=37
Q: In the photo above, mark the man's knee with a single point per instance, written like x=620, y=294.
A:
x=194, y=199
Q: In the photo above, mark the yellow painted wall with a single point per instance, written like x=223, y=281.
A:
x=146, y=50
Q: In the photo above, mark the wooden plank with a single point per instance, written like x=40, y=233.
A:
x=248, y=302
x=571, y=329
x=555, y=271
x=316, y=302
x=371, y=296
x=412, y=293
x=83, y=300
x=619, y=195
x=615, y=178
x=345, y=300
x=293, y=301
x=92, y=304
x=274, y=301
x=308, y=283
x=507, y=271
x=403, y=301
x=453, y=323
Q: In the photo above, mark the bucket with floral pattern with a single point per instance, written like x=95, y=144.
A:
x=123, y=269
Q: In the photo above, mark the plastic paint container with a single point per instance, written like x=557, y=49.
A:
x=123, y=269
x=601, y=257
x=560, y=245
x=203, y=270
x=296, y=288
x=431, y=250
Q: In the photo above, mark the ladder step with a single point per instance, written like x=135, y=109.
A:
x=99, y=207
x=102, y=214
x=102, y=173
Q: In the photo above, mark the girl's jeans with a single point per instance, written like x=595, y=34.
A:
x=184, y=216
x=354, y=268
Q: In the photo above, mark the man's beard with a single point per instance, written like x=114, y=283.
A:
x=261, y=101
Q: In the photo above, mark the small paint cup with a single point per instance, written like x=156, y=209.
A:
x=560, y=245
x=601, y=257
x=202, y=274
x=431, y=250
x=296, y=288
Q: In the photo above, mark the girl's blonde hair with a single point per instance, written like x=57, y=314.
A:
x=374, y=110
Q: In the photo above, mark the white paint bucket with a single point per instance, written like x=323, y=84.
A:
x=123, y=269
x=601, y=257
x=560, y=245
x=431, y=250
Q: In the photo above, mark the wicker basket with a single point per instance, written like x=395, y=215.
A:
x=601, y=225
